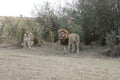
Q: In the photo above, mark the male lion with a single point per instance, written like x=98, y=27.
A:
x=27, y=39
x=69, y=40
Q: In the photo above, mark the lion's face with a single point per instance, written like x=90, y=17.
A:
x=26, y=33
x=62, y=34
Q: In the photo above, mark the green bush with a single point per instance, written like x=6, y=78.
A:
x=13, y=29
x=111, y=39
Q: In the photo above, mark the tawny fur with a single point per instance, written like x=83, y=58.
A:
x=69, y=40
x=27, y=39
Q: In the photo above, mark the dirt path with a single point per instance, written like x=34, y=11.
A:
x=46, y=64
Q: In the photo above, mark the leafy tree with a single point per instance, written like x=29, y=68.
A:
x=97, y=18
x=48, y=20
x=12, y=29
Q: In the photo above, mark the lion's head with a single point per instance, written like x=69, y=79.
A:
x=62, y=34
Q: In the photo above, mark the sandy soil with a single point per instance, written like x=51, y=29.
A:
x=48, y=63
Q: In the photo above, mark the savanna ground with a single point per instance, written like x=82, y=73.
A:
x=49, y=63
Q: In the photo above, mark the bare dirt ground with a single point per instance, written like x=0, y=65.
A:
x=49, y=63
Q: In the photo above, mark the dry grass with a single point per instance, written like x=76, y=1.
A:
x=48, y=64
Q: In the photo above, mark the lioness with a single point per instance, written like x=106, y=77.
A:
x=69, y=40
x=27, y=39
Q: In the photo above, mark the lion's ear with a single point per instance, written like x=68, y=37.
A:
x=65, y=31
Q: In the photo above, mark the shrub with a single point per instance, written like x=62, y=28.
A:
x=111, y=39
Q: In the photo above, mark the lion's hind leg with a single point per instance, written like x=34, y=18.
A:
x=73, y=48
x=78, y=48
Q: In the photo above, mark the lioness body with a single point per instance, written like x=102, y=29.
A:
x=27, y=39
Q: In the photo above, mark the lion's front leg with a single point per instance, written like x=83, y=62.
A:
x=65, y=49
x=30, y=43
x=24, y=44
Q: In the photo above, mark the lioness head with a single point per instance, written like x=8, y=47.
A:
x=62, y=34
x=26, y=33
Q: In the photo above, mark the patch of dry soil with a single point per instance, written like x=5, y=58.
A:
x=50, y=64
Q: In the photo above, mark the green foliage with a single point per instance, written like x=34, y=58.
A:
x=2, y=39
x=14, y=28
x=9, y=29
x=96, y=17
x=111, y=39
x=49, y=21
